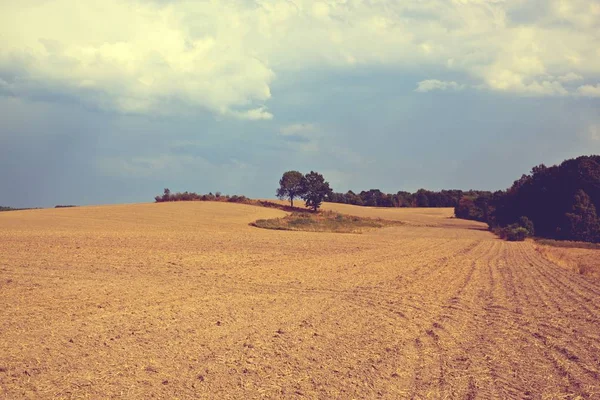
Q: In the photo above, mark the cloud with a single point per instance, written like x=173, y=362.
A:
x=589, y=91
x=151, y=58
x=434, y=84
x=169, y=57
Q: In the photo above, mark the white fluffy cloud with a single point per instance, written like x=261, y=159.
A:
x=222, y=56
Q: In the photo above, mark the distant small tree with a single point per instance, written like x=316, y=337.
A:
x=315, y=189
x=291, y=186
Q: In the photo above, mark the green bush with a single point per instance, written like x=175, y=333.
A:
x=526, y=223
x=516, y=234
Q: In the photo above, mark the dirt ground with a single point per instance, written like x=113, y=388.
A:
x=186, y=300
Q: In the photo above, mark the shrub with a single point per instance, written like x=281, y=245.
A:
x=516, y=234
x=237, y=199
x=526, y=223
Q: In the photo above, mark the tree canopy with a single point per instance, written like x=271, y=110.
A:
x=561, y=201
x=291, y=185
x=316, y=189
x=421, y=198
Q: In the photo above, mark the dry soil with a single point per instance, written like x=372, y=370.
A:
x=186, y=300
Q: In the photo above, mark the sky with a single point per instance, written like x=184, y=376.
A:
x=111, y=101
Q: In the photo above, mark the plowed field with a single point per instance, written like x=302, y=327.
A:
x=185, y=300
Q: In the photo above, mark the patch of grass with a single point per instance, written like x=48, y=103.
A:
x=579, y=257
x=325, y=221
x=568, y=244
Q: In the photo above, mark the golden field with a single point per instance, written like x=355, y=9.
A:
x=186, y=300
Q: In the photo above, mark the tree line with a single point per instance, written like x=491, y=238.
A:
x=420, y=198
x=192, y=196
x=560, y=201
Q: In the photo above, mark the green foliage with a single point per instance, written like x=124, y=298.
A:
x=527, y=224
x=467, y=209
x=238, y=199
x=561, y=201
x=512, y=233
x=291, y=185
x=315, y=189
x=421, y=198
x=516, y=233
x=582, y=222
x=191, y=196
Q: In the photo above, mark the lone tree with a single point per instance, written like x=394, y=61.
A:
x=291, y=185
x=315, y=190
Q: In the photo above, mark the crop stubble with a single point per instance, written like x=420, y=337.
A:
x=186, y=300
